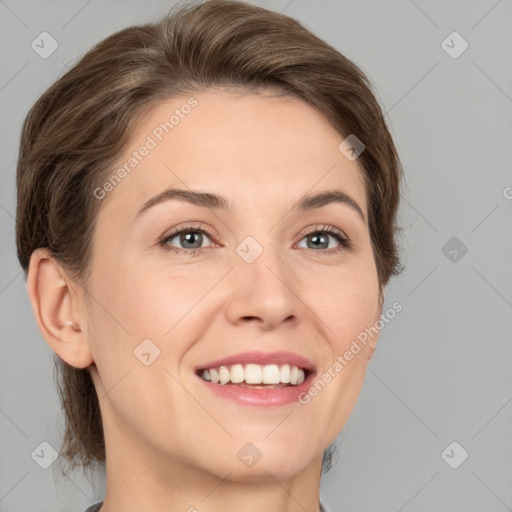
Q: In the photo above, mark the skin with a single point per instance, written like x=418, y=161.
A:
x=171, y=443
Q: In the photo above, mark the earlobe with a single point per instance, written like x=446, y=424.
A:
x=57, y=309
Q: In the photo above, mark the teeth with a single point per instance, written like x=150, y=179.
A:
x=224, y=375
x=270, y=374
x=214, y=375
x=294, y=375
x=284, y=374
x=237, y=373
x=253, y=374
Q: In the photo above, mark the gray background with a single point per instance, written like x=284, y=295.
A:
x=441, y=372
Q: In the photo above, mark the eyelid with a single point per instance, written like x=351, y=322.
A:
x=321, y=228
x=189, y=227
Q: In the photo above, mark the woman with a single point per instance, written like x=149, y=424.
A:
x=206, y=217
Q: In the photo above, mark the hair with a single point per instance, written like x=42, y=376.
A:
x=77, y=130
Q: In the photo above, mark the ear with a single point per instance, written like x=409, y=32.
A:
x=57, y=309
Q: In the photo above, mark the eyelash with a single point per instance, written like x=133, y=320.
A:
x=338, y=235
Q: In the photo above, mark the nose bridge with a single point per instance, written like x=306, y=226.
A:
x=262, y=284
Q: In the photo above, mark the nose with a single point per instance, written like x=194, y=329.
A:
x=263, y=293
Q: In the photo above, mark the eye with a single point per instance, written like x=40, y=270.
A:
x=190, y=238
x=319, y=240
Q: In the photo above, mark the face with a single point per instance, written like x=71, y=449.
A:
x=257, y=276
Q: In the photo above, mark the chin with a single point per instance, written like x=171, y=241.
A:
x=276, y=465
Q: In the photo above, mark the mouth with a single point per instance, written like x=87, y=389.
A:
x=256, y=376
x=258, y=379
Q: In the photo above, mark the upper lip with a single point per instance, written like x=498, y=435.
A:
x=263, y=358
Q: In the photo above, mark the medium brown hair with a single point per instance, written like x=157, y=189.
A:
x=78, y=128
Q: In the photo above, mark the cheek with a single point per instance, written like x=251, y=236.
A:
x=348, y=305
x=347, y=302
x=357, y=313
x=168, y=308
x=147, y=301
x=160, y=304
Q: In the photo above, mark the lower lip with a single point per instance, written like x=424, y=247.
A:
x=265, y=397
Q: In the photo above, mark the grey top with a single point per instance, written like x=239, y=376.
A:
x=96, y=507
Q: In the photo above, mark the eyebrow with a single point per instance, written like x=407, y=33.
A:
x=213, y=201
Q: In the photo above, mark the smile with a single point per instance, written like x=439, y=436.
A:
x=257, y=379
x=255, y=375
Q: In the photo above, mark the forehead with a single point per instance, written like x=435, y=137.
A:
x=244, y=146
